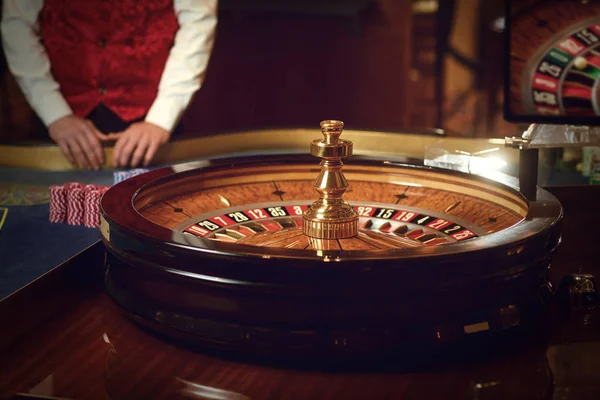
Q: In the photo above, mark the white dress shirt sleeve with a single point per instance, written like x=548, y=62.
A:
x=28, y=61
x=186, y=65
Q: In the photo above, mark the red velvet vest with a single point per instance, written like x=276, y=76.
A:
x=108, y=51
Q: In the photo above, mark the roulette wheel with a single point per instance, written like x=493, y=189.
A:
x=555, y=62
x=353, y=256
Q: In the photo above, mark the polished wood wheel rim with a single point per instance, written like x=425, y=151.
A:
x=211, y=291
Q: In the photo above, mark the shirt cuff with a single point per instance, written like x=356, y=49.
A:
x=165, y=113
x=51, y=108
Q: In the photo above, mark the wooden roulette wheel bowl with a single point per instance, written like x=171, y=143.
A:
x=216, y=253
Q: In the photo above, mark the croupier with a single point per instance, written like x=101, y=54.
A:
x=97, y=70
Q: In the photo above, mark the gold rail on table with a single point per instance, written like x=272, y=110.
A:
x=380, y=144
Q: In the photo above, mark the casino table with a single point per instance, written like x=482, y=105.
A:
x=27, y=170
x=29, y=243
x=74, y=332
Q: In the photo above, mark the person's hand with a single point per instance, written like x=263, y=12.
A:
x=138, y=143
x=79, y=141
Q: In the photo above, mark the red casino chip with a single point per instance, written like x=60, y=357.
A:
x=69, y=185
x=91, y=218
x=75, y=203
x=93, y=195
x=58, y=203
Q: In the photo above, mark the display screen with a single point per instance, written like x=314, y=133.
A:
x=553, y=63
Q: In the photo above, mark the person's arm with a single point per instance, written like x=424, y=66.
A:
x=28, y=61
x=181, y=78
x=186, y=65
x=79, y=140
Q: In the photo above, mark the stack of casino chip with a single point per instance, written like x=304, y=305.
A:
x=76, y=204
x=120, y=176
x=58, y=203
x=93, y=195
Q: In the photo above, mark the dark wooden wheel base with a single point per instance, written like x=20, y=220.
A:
x=262, y=287
x=346, y=317
x=428, y=331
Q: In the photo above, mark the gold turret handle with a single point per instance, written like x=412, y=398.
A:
x=330, y=217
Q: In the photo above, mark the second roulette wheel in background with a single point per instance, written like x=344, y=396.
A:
x=234, y=254
x=554, y=58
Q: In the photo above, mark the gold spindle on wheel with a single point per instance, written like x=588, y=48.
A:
x=330, y=217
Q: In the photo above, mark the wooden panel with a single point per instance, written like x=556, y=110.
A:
x=272, y=70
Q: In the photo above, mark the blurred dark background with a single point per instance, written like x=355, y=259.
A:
x=403, y=65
